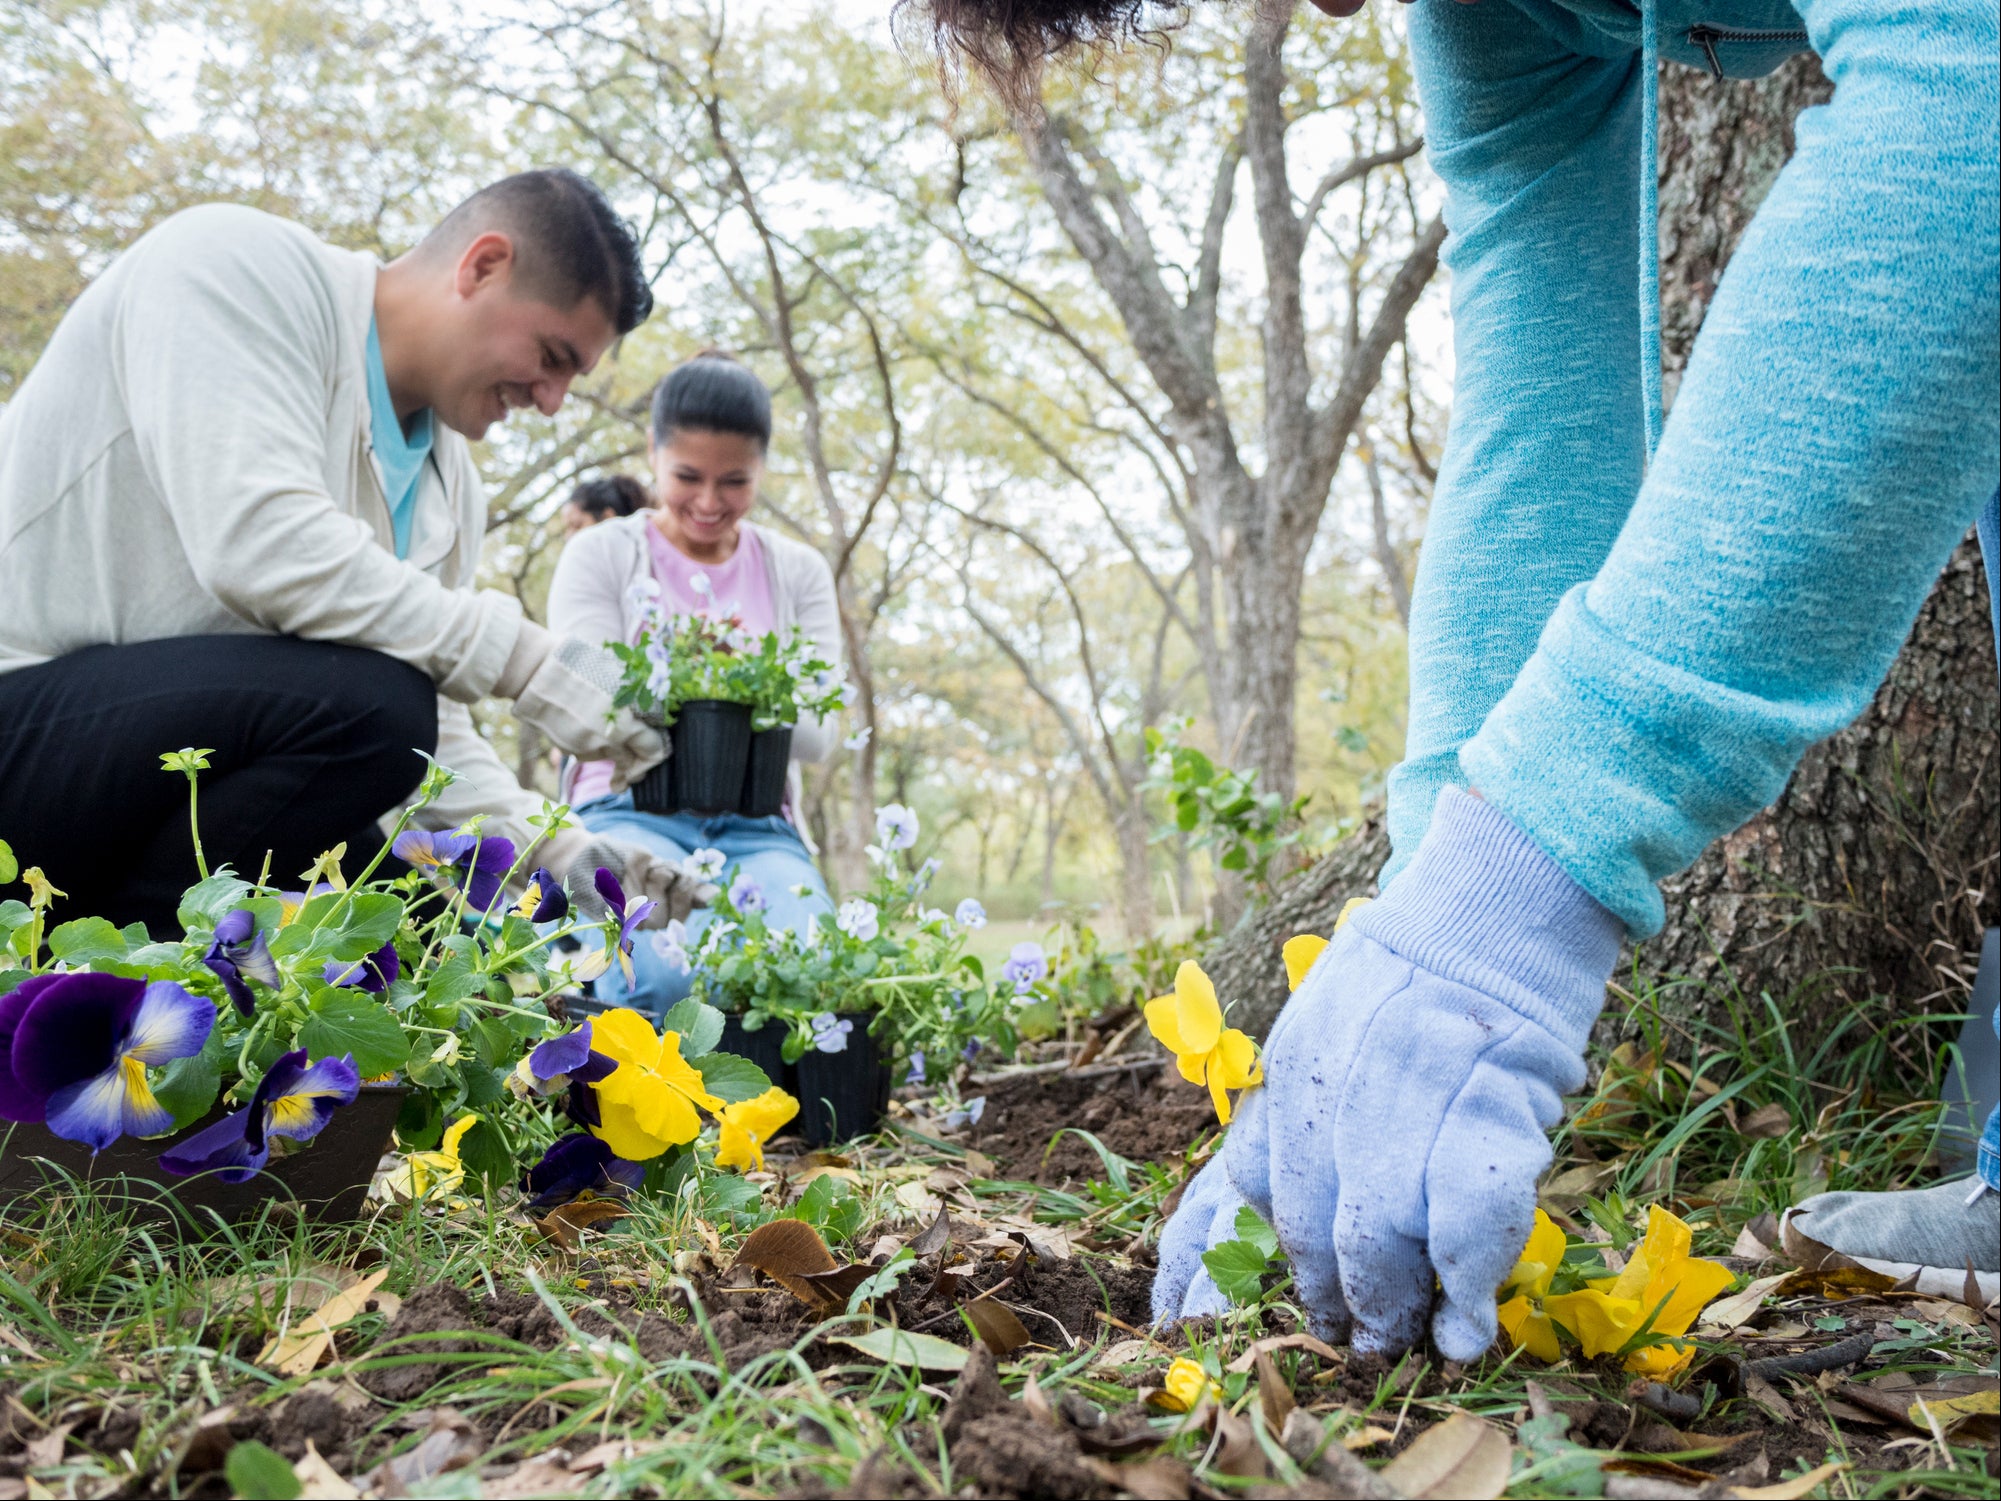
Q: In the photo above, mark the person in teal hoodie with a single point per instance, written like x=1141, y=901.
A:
x=1623, y=635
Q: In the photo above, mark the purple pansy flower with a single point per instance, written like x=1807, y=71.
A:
x=294, y=1099
x=1026, y=963
x=671, y=944
x=374, y=974
x=544, y=900
x=479, y=861
x=289, y=902
x=580, y=1164
x=896, y=826
x=561, y=1061
x=78, y=1046
x=916, y=1074
x=746, y=895
x=630, y=915
x=237, y=954
x=970, y=914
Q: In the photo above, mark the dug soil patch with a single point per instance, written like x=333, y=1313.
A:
x=1145, y=1115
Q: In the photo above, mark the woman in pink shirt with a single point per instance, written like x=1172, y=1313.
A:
x=711, y=427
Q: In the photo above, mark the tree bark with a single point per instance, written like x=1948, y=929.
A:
x=1873, y=874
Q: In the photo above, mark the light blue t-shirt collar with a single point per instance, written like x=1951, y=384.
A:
x=401, y=454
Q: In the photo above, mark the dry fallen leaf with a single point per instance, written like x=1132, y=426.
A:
x=544, y=1475
x=1125, y=1352
x=788, y=1251
x=1950, y=1413
x=611, y=1451
x=39, y=1453
x=1273, y=1343
x=1767, y=1121
x=1366, y=1437
x=1236, y=1451
x=1728, y=1313
x=1833, y=1282
x=1789, y=1490
x=995, y=1323
x=296, y=1353
x=1274, y=1396
x=451, y=1444
x=566, y=1223
x=1463, y=1457
x=934, y=1237
x=320, y=1481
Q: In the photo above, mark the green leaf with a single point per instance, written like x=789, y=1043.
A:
x=370, y=921
x=700, y=1026
x=451, y=982
x=355, y=1024
x=255, y=1470
x=732, y=1079
x=206, y=903
x=1117, y=1168
x=9, y=866
x=493, y=1040
x=420, y=1124
x=14, y=915
x=483, y=1085
x=88, y=940
x=902, y=1348
x=1251, y=1227
x=484, y=1152
x=1239, y=1268
x=188, y=1086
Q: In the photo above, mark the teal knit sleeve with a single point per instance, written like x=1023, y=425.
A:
x=1833, y=437
x=1538, y=144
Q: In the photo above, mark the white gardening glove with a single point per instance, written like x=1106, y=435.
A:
x=574, y=856
x=564, y=688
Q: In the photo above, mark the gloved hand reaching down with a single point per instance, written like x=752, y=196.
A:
x=564, y=687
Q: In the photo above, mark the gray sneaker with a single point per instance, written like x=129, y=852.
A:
x=1929, y=1234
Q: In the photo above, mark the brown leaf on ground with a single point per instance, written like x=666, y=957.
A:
x=297, y=1352
x=1767, y=1121
x=320, y=1481
x=1305, y=1439
x=1464, y=1456
x=1730, y=1312
x=1236, y=1450
x=566, y=1223
x=452, y=1443
x=995, y=1323
x=836, y=1287
x=47, y=1449
x=788, y=1252
x=1830, y=1281
x=1274, y=1396
x=1157, y=1479
x=1790, y=1490
x=934, y=1237
x=1274, y=1343
x=544, y=1475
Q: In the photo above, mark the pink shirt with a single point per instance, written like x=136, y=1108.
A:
x=740, y=587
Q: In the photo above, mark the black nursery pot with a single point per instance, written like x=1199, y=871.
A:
x=327, y=1178
x=764, y=772
x=840, y=1095
x=704, y=774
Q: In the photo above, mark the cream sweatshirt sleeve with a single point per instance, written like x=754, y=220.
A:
x=225, y=353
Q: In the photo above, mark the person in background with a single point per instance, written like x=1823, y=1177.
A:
x=238, y=511
x=1623, y=637
x=603, y=499
x=711, y=425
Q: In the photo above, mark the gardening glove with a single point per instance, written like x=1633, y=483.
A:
x=1205, y=1218
x=574, y=856
x=564, y=688
x=1410, y=1081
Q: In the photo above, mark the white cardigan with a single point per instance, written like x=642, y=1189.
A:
x=191, y=456
x=591, y=597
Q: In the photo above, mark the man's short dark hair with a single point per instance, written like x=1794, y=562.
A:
x=569, y=243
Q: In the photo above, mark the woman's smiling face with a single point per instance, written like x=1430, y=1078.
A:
x=706, y=483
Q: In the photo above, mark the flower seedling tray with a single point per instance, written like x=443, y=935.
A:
x=705, y=772
x=764, y=772
x=327, y=1179
x=841, y=1095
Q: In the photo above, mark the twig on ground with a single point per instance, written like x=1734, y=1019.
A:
x=1812, y=1362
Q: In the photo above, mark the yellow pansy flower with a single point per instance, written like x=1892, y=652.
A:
x=1523, y=1316
x=1189, y=1024
x=749, y=1124
x=1184, y=1385
x=1660, y=1275
x=646, y=1104
x=41, y=891
x=1301, y=950
x=426, y=1173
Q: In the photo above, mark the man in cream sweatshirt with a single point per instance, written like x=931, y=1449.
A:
x=238, y=511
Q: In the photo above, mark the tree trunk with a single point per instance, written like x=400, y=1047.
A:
x=1873, y=873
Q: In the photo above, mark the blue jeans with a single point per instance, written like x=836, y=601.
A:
x=768, y=850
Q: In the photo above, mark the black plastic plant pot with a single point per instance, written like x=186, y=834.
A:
x=326, y=1179
x=845, y=1094
x=764, y=1047
x=711, y=746
x=764, y=773
x=654, y=792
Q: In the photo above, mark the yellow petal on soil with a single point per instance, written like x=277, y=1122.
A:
x=1660, y=1360
x=1185, y=1384
x=1697, y=1283
x=1236, y=1060
x=1602, y=1323
x=624, y=1036
x=1161, y=1023
x=749, y=1124
x=1300, y=952
x=1197, y=1017
x=1530, y=1329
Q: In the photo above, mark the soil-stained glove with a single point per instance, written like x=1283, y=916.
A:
x=1409, y=1083
x=564, y=688
x=1205, y=1218
x=574, y=855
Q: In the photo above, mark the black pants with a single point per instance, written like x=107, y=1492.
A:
x=310, y=743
